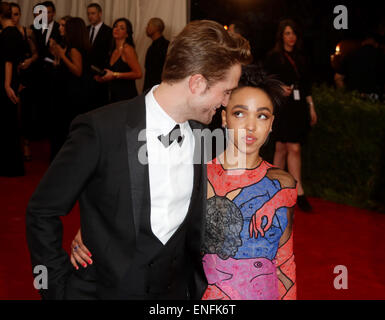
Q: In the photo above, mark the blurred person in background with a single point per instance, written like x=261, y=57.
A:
x=295, y=118
x=11, y=55
x=363, y=70
x=44, y=68
x=101, y=41
x=72, y=76
x=124, y=66
x=156, y=53
x=27, y=106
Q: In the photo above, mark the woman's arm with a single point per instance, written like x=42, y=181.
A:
x=286, y=268
x=74, y=63
x=34, y=54
x=32, y=45
x=7, y=83
x=313, y=113
x=130, y=57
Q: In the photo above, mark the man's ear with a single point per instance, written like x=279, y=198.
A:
x=197, y=84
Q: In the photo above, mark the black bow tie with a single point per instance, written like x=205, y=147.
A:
x=175, y=134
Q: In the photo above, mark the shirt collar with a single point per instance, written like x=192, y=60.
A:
x=98, y=26
x=49, y=26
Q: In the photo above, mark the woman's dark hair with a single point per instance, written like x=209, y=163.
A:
x=279, y=47
x=129, y=39
x=254, y=76
x=76, y=35
x=5, y=10
x=66, y=18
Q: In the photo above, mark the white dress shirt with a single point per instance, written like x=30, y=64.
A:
x=49, y=31
x=97, y=28
x=171, y=171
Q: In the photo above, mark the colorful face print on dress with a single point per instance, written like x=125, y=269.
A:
x=245, y=257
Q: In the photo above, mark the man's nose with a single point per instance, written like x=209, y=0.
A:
x=226, y=100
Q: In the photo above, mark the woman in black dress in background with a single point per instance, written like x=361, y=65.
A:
x=72, y=77
x=124, y=66
x=27, y=79
x=295, y=118
x=11, y=54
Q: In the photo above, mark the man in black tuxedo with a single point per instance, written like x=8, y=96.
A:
x=101, y=41
x=136, y=168
x=156, y=53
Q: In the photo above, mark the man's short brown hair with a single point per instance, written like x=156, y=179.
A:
x=96, y=6
x=204, y=47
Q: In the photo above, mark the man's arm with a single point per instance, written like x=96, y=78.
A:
x=55, y=197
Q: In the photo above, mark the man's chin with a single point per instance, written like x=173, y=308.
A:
x=206, y=121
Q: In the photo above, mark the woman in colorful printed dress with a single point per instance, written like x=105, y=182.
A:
x=248, y=244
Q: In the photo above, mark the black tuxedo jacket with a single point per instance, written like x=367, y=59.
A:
x=42, y=47
x=101, y=46
x=99, y=166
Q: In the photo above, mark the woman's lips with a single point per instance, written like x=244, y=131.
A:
x=250, y=140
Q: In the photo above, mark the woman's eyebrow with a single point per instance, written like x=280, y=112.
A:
x=240, y=106
x=264, y=109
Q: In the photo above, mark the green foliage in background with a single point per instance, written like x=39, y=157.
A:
x=344, y=158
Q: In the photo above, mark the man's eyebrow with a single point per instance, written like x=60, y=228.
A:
x=232, y=89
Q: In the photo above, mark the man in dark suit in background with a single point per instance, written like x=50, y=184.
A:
x=156, y=53
x=101, y=41
x=136, y=168
x=43, y=36
x=43, y=68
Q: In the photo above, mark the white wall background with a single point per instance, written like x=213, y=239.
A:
x=172, y=12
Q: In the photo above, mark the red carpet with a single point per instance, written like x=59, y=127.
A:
x=333, y=235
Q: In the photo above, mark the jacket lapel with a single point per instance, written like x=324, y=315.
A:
x=139, y=170
x=139, y=174
x=198, y=159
